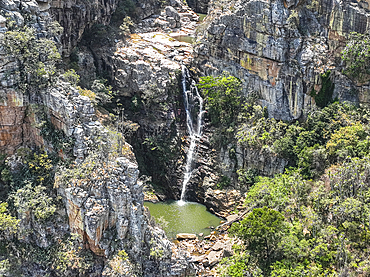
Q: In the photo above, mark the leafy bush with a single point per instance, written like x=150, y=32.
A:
x=8, y=223
x=247, y=177
x=88, y=93
x=126, y=26
x=72, y=77
x=223, y=100
x=34, y=200
x=349, y=141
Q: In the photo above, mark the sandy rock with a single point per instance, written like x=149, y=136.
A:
x=186, y=236
x=227, y=249
x=218, y=246
x=231, y=217
x=213, y=258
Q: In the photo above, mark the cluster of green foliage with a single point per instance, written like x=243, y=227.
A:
x=327, y=136
x=223, y=103
x=8, y=223
x=324, y=96
x=33, y=167
x=356, y=56
x=297, y=227
x=32, y=201
x=29, y=186
x=65, y=257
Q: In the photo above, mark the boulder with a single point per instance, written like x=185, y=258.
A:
x=213, y=258
x=218, y=246
x=186, y=236
x=171, y=12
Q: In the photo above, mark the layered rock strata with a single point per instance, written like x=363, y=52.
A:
x=280, y=48
x=102, y=197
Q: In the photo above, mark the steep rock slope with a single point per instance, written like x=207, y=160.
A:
x=280, y=48
x=103, y=200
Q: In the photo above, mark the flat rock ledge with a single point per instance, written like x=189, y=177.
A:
x=181, y=236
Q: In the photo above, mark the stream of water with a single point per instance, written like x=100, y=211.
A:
x=194, y=113
x=181, y=216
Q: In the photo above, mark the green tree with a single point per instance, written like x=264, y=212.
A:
x=223, y=100
x=262, y=231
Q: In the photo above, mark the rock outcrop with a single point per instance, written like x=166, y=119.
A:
x=280, y=48
x=76, y=16
x=15, y=126
x=103, y=200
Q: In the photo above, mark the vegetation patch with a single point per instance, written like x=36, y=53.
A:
x=324, y=96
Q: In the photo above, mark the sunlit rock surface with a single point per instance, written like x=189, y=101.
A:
x=280, y=48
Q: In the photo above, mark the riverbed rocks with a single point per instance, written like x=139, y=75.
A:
x=181, y=236
x=206, y=254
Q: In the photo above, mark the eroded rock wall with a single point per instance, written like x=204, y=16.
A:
x=102, y=196
x=280, y=48
x=75, y=16
x=199, y=6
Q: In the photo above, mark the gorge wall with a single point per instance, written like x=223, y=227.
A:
x=280, y=48
x=101, y=195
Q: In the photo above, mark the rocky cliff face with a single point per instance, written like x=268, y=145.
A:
x=145, y=68
x=280, y=48
x=103, y=200
x=76, y=16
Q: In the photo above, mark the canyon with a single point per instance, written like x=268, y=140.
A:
x=279, y=50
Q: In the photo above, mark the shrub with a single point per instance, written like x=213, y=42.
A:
x=35, y=200
x=72, y=77
x=8, y=223
x=223, y=100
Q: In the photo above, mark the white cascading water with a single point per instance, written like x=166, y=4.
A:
x=194, y=114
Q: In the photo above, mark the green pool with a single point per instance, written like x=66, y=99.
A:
x=187, y=218
x=201, y=16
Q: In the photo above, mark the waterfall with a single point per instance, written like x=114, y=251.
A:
x=193, y=103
